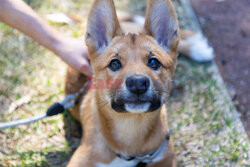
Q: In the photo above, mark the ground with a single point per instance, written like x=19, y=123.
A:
x=226, y=23
x=205, y=127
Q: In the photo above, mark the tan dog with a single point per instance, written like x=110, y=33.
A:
x=125, y=125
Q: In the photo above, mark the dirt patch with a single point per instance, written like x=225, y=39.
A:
x=226, y=23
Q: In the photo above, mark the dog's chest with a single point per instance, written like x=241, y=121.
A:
x=117, y=162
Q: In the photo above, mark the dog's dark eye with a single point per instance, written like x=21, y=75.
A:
x=154, y=63
x=115, y=65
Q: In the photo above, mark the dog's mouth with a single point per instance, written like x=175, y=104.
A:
x=136, y=106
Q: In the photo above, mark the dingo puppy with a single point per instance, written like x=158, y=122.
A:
x=125, y=123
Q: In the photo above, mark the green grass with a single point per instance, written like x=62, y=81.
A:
x=27, y=69
x=204, y=121
x=205, y=130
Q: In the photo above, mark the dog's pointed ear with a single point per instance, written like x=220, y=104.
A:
x=161, y=23
x=102, y=26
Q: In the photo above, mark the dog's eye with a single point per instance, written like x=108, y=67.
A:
x=154, y=63
x=115, y=65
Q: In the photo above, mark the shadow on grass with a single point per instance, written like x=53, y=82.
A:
x=73, y=134
x=48, y=156
x=73, y=131
x=49, y=159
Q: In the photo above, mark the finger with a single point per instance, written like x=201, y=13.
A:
x=86, y=69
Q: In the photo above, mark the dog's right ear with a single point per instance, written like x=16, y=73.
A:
x=102, y=26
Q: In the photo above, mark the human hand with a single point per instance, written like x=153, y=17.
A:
x=19, y=15
x=74, y=52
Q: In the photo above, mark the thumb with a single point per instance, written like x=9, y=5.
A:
x=85, y=68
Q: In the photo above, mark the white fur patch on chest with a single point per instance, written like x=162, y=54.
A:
x=118, y=162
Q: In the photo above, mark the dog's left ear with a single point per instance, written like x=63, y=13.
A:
x=102, y=26
x=162, y=24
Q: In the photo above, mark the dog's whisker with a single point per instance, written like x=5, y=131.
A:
x=161, y=91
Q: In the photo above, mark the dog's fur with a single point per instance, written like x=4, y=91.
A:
x=107, y=131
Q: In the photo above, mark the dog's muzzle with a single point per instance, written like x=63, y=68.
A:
x=137, y=97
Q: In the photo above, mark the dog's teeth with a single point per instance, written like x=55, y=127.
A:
x=137, y=108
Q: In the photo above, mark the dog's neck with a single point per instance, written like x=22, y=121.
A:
x=132, y=134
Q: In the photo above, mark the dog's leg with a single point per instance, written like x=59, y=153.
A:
x=81, y=157
x=94, y=153
x=74, y=82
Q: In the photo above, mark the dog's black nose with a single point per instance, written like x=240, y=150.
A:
x=137, y=84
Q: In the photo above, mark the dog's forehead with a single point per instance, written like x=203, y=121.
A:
x=132, y=41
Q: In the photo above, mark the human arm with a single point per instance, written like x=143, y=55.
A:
x=17, y=14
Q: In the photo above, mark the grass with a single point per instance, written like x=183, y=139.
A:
x=206, y=130
x=203, y=120
x=27, y=69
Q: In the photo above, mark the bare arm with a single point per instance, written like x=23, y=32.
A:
x=17, y=14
